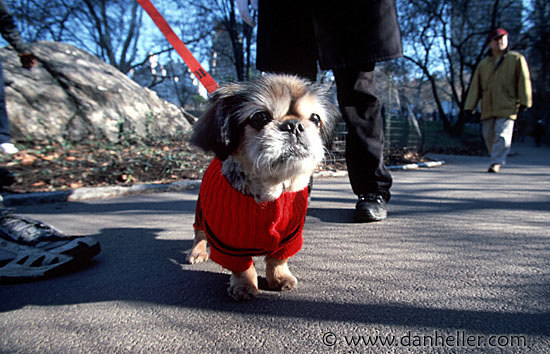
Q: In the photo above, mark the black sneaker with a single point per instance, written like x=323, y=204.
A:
x=32, y=233
x=370, y=207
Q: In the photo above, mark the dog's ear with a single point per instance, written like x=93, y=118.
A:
x=218, y=129
x=332, y=113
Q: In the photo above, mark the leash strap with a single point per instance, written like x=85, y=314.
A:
x=209, y=83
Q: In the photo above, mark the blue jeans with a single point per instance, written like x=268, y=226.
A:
x=4, y=121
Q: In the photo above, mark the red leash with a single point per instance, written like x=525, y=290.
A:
x=209, y=83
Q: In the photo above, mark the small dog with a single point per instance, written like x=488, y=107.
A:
x=268, y=136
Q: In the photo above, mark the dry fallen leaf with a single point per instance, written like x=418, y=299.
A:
x=50, y=157
x=74, y=185
x=26, y=159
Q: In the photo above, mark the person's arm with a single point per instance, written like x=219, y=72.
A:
x=524, y=85
x=474, y=93
x=11, y=34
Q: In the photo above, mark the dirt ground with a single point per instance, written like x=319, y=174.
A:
x=51, y=166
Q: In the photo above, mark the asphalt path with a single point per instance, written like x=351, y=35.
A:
x=462, y=264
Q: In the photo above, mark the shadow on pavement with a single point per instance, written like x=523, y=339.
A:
x=137, y=267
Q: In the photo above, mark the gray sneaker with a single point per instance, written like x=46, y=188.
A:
x=19, y=262
x=34, y=233
x=30, y=248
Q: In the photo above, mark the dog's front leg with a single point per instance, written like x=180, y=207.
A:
x=243, y=285
x=278, y=275
x=198, y=252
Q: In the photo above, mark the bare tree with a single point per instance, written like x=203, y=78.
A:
x=231, y=37
x=111, y=29
x=538, y=36
x=114, y=26
x=36, y=21
x=107, y=28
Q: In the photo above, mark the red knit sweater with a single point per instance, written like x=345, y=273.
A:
x=239, y=228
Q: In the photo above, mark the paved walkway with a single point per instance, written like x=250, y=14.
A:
x=461, y=265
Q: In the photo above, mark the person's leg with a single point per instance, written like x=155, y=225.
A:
x=4, y=121
x=367, y=172
x=504, y=129
x=488, y=132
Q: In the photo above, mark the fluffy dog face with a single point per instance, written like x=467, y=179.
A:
x=269, y=133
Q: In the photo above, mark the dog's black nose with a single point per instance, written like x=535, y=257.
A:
x=292, y=126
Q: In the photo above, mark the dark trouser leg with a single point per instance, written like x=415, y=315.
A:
x=365, y=141
x=4, y=121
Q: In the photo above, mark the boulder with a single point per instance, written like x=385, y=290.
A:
x=73, y=95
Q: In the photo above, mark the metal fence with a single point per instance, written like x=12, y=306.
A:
x=401, y=133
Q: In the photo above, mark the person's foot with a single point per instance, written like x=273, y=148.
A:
x=495, y=168
x=8, y=149
x=370, y=207
x=23, y=263
x=30, y=249
x=33, y=233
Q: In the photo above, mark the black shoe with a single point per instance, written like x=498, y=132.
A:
x=370, y=207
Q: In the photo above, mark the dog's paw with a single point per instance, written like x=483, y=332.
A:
x=278, y=275
x=242, y=292
x=243, y=285
x=283, y=282
x=197, y=256
x=198, y=253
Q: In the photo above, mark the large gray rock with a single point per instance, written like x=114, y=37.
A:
x=73, y=95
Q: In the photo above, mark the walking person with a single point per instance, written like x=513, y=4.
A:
x=349, y=37
x=501, y=81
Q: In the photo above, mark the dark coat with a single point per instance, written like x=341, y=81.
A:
x=293, y=35
x=9, y=30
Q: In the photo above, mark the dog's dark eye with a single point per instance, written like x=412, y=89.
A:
x=259, y=119
x=315, y=119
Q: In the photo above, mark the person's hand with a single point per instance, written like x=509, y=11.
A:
x=28, y=60
x=244, y=11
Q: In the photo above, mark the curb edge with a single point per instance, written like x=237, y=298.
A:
x=89, y=193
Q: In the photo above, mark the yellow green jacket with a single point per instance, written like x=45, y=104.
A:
x=501, y=86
